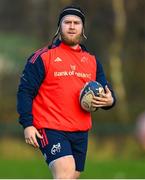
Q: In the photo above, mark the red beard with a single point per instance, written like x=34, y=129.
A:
x=71, y=41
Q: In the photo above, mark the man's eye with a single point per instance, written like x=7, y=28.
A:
x=67, y=22
x=77, y=22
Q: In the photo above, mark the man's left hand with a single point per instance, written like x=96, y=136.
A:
x=105, y=100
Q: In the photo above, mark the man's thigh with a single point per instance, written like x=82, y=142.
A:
x=63, y=168
x=54, y=145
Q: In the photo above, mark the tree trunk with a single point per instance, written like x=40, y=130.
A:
x=115, y=59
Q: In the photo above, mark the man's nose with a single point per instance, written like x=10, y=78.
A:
x=72, y=25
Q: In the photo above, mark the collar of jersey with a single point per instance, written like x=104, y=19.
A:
x=65, y=46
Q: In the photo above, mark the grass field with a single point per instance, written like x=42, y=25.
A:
x=99, y=169
x=19, y=161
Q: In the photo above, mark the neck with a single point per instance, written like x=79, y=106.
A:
x=75, y=46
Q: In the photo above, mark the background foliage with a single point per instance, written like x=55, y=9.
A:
x=116, y=35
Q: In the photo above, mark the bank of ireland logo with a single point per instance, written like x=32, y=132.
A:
x=73, y=67
x=55, y=148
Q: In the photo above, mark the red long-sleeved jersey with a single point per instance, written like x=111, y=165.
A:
x=48, y=95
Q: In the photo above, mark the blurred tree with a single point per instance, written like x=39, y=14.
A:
x=116, y=71
x=12, y=15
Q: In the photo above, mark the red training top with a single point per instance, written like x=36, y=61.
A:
x=56, y=106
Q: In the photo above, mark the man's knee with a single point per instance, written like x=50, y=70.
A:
x=68, y=174
x=76, y=175
x=63, y=168
x=65, y=175
x=65, y=172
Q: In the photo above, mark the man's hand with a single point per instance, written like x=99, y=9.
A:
x=30, y=134
x=105, y=100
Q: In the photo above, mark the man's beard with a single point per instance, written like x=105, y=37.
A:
x=71, y=41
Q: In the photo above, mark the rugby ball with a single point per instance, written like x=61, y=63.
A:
x=90, y=89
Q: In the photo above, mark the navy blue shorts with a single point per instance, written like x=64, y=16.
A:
x=56, y=144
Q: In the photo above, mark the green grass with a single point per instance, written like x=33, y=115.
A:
x=37, y=168
x=19, y=161
x=115, y=169
x=22, y=169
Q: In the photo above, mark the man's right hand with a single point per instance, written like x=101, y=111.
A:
x=30, y=134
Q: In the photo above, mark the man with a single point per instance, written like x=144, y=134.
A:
x=48, y=97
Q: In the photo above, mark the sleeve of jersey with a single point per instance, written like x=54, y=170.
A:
x=100, y=77
x=30, y=82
